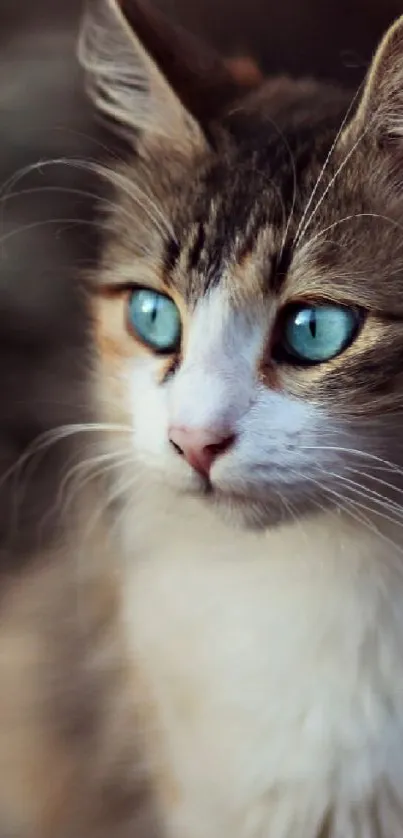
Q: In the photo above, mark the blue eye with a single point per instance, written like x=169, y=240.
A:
x=156, y=319
x=314, y=334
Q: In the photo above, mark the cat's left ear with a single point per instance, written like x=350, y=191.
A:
x=150, y=78
x=380, y=111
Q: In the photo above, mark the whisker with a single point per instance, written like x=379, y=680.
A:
x=124, y=490
x=356, y=452
x=374, y=215
x=65, y=190
x=371, y=495
x=48, y=438
x=88, y=464
x=36, y=224
x=297, y=520
x=91, y=473
x=350, y=507
x=373, y=477
x=115, y=178
x=132, y=190
x=109, y=499
x=332, y=180
x=324, y=167
x=342, y=501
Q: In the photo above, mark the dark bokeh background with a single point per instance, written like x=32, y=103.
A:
x=46, y=234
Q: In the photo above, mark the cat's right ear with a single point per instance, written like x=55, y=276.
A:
x=380, y=111
x=152, y=80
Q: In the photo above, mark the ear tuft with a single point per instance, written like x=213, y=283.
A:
x=381, y=106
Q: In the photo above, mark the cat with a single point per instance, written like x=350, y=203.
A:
x=247, y=312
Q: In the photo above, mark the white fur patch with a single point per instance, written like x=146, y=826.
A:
x=274, y=665
x=273, y=660
x=216, y=384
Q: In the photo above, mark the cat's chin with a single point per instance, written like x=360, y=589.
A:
x=258, y=509
x=245, y=512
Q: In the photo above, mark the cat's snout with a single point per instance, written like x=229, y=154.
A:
x=200, y=446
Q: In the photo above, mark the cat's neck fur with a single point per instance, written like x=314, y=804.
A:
x=276, y=659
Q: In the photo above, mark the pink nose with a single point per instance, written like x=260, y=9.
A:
x=200, y=446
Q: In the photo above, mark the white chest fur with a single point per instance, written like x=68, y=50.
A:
x=275, y=663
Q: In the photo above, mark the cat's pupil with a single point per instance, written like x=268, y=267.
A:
x=312, y=324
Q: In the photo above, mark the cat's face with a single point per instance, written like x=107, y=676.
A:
x=250, y=300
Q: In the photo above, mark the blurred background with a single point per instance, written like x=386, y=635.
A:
x=46, y=229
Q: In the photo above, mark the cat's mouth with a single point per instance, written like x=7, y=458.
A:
x=213, y=492
x=248, y=509
x=210, y=491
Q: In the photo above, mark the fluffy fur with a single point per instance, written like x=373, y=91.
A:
x=263, y=610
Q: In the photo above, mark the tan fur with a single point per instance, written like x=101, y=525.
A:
x=67, y=767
